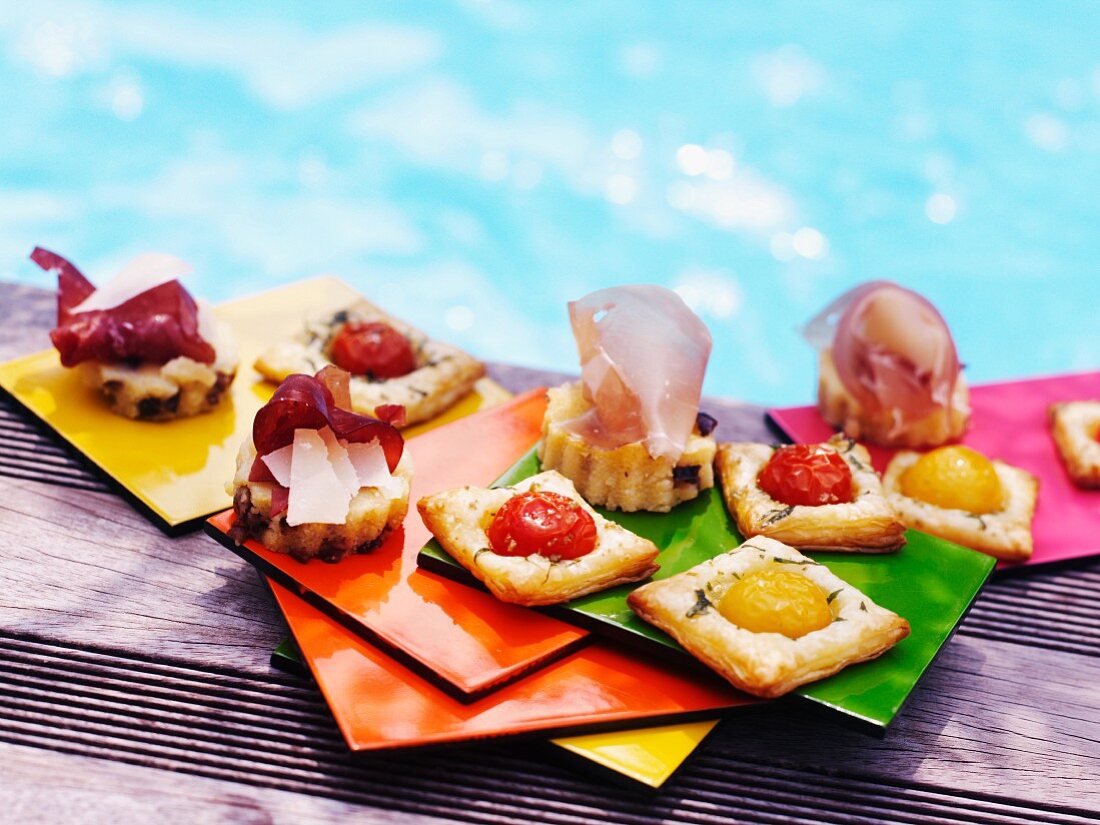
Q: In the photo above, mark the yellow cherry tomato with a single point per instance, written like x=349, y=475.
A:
x=776, y=601
x=956, y=478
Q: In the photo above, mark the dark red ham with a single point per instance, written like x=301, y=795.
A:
x=154, y=326
x=305, y=402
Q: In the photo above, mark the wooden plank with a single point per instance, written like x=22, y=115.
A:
x=272, y=731
x=43, y=786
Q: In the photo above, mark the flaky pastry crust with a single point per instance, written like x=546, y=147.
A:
x=841, y=409
x=1005, y=534
x=867, y=524
x=626, y=478
x=766, y=664
x=1074, y=425
x=444, y=373
x=459, y=519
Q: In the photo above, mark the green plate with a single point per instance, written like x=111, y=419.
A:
x=931, y=582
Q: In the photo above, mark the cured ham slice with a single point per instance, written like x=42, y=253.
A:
x=891, y=348
x=643, y=354
x=153, y=325
x=317, y=455
x=305, y=402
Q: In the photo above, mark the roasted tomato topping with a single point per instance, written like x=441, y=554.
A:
x=776, y=601
x=374, y=349
x=955, y=477
x=543, y=523
x=807, y=474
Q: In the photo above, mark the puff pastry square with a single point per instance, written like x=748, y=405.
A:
x=1074, y=425
x=459, y=518
x=444, y=373
x=867, y=524
x=1005, y=534
x=766, y=664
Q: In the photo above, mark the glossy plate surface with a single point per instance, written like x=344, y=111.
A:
x=379, y=704
x=930, y=582
x=463, y=638
x=1009, y=422
x=648, y=756
x=176, y=470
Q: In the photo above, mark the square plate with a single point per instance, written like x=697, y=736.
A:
x=1009, y=422
x=463, y=639
x=872, y=692
x=175, y=471
x=643, y=756
x=379, y=704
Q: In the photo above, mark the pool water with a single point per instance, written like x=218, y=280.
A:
x=472, y=166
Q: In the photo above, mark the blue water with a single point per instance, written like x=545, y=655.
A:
x=474, y=165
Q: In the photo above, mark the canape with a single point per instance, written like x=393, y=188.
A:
x=889, y=372
x=140, y=340
x=958, y=494
x=390, y=362
x=629, y=434
x=767, y=618
x=811, y=496
x=1075, y=426
x=537, y=543
x=316, y=480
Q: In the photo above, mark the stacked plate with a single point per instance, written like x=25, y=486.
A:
x=410, y=652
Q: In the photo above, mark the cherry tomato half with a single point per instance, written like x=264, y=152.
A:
x=806, y=474
x=545, y=523
x=373, y=348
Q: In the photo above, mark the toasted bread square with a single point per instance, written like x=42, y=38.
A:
x=459, y=519
x=444, y=373
x=1005, y=534
x=766, y=664
x=625, y=478
x=1074, y=426
x=842, y=410
x=867, y=524
x=372, y=514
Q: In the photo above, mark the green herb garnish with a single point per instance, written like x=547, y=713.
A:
x=778, y=515
x=702, y=604
x=833, y=595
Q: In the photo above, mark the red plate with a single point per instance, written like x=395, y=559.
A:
x=465, y=640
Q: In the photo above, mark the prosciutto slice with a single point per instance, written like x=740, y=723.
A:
x=316, y=454
x=892, y=350
x=643, y=353
x=305, y=402
x=153, y=325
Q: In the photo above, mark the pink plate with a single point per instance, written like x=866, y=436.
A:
x=1010, y=423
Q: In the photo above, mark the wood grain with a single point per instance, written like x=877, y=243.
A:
x=117, y=643
x=49, y=787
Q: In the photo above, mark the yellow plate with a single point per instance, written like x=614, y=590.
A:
x=176, y=470
x=648, y=755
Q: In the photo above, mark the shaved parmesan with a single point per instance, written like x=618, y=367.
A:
x=341, y=464
x=279, y=462
x=317, y=495
x=370, y=465
x=143, y=273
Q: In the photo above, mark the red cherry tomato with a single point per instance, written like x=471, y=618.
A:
x=373, y=348
x=545, y=523
x=806, y=474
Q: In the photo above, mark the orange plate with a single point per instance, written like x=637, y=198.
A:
x=463, y=639
x=380, y=704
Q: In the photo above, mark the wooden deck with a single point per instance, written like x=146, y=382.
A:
x=136, y=686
